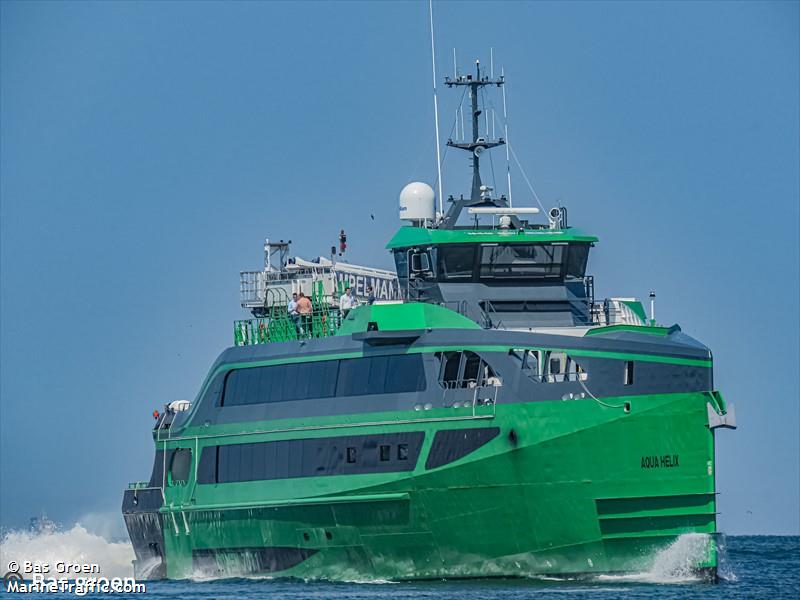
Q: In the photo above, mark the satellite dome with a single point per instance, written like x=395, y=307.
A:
x=417, y=202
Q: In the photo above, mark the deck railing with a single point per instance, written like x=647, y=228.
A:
x=280, y=326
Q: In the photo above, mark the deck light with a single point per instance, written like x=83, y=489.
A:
x=652, y=308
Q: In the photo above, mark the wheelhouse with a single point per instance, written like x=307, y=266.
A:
x=535, y=277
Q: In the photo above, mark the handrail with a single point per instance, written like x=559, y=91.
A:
x=280, y=326
x=304, y=428
x=139, y=485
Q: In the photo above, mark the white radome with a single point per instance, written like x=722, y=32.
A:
x=417, y=201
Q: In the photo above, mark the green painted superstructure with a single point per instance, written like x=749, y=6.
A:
x=407, y=237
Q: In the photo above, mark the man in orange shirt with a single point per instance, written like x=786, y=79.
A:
x=304, y=309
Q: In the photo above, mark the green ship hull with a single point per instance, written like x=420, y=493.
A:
x=565, y=487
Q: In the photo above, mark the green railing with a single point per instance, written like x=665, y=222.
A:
x=280, y=326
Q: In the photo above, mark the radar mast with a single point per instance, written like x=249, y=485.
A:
x=480, y=195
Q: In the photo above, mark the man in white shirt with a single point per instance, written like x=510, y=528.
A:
x=293, y=314
x=347, y=302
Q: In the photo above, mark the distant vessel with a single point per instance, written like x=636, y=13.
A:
x=486, y=416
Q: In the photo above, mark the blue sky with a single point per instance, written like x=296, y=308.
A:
x=148, y=148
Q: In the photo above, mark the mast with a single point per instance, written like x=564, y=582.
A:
x=476, y=147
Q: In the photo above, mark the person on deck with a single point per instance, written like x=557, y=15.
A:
x=304, y=309
x=347, y=302
x=370, y=295
x=293, y=314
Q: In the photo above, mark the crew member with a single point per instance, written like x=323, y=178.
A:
x=304, y=309
x=293, y=314
x=347, y=302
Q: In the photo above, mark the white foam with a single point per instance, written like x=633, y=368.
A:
x=677, y=563
x=724, y=567
x=50, y=544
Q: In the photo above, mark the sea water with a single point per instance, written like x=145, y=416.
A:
x=750, y=567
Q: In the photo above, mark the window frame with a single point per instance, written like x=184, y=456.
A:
x=442, y=252
x=401, y=374
x=174, y=454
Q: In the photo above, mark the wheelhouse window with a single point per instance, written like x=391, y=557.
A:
x=522, y=261
x=401, y=265
x=578, y=254
x=506, y=261
x=420, y=262
x=456, y=261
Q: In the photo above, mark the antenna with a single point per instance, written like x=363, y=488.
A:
x=505, y=133
x=485, y=115
x=477, y=144
x=461, y=113
x=436, y=111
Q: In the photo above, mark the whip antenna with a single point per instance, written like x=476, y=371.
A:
x=436, y=111
x=508, y=146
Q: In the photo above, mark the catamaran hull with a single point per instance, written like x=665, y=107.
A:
x=549, y=488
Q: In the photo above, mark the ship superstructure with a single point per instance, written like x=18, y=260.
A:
x=491, y=418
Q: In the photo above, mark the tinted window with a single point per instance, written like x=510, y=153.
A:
x=451, y=444
x=180, y=464
x=576, y=263
x=405, y=374
x=323, y=383
x=456, y=262
x=401, y=265
x=420, y=261
x=353, y=377
x=311, y=457
x=509, y=261
x=325, y=379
